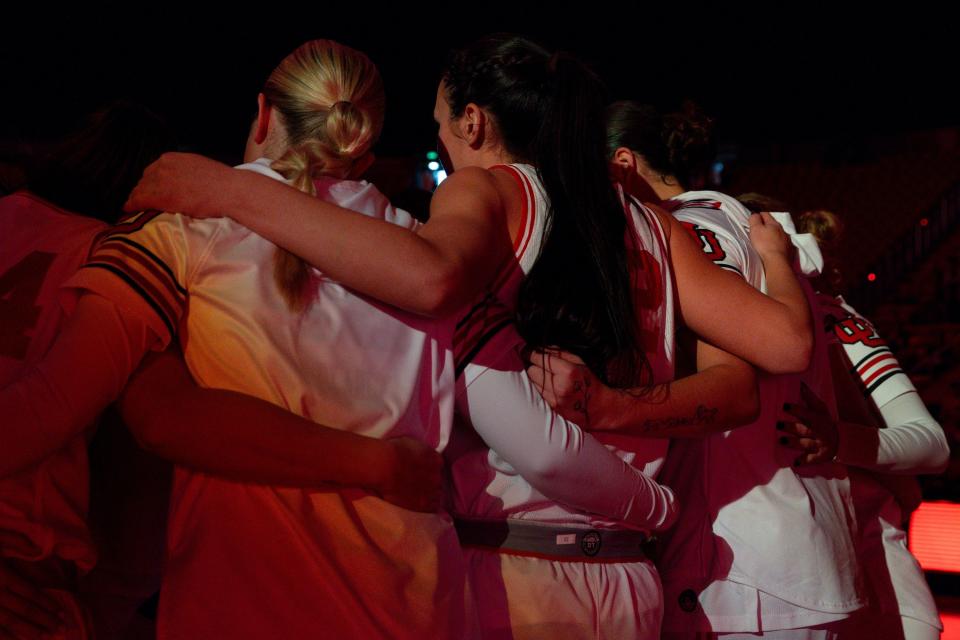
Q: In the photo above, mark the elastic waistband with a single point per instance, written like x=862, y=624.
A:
x=551, y=541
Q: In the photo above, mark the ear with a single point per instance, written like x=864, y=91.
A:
x=474, y=125
x=623, y=165
x=625, y=158
x=264, y=112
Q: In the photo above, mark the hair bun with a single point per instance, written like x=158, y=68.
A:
x=346, y=129
x=687, y=135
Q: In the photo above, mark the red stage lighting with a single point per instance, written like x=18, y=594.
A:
x=935, y=536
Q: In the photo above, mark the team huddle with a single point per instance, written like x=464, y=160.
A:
x=579, y=401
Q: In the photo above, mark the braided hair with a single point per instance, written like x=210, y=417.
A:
x=331, y=101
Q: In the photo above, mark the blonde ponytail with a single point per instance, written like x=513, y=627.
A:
x=331, y=100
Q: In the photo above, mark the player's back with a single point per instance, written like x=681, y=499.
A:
x=484, y=484
x=748, y=500
x=249, y=560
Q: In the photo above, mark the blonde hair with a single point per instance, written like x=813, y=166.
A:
x=330, y=98
x=827, y=228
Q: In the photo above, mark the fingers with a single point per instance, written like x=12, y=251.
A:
x=802, y=413
x=755, y=220
x=797, y=429
x=767, y=219
x=798, y=443
x=566, y=356
x=801, y=438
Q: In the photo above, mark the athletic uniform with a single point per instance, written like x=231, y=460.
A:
x=539, y=568
x=911, y=442
x=762, y=546
x=43, y=507
x=252, y=561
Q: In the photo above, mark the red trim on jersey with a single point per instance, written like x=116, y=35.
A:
x=529, y=213
x=876, y=373
x=519, y=178
x=483, y=321
x=148, y=263
x=123, y=228
x=883, y=356
x=170, y=309
x=528, y=216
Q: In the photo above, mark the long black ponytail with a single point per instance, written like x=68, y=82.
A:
x=548, y=111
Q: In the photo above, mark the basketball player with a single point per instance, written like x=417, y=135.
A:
x=46, y=232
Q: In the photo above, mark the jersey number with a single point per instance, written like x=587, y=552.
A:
x=19, y=288
x=853, y=329
x=707, y=239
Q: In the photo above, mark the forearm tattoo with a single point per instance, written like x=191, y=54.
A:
x=703, y=415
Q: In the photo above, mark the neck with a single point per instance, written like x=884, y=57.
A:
x=665, y=187
x=665, y=191
x=488, y=157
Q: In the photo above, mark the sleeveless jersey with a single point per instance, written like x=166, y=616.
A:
x=255, y=561
x=42, y=509
x=762, y=544
x=486, y=486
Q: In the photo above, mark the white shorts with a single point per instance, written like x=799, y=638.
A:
x=831, y=631
x=522, y=597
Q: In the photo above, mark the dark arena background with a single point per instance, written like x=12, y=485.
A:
x=845, y=108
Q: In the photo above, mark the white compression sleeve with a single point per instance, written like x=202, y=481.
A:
x=912, y=442
x=556, y=457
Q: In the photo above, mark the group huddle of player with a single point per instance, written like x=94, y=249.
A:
x=580, y=401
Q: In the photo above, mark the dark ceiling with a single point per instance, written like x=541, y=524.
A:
x=770, y=72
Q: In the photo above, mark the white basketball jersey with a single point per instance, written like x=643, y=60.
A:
x=248, y=560
x=485, y=485
x=761, y=544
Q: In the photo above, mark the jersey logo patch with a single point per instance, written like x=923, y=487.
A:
x=687, y=600
x=852, y=329
x=707, y=239
x=590, y=543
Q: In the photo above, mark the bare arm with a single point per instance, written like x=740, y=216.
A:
x=432, y=272
x=243, y=438
x=721, y=395
x=61, y=396
x=771, y=331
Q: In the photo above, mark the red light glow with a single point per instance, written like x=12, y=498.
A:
x=935, y=536
x=871, y=277
x=951, y=626
x=924, y=222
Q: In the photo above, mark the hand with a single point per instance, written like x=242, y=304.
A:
x=768, y=237
x=26, y=611
x=181, y=182
x=815, y=436
x=565, y=382
x=415, y=479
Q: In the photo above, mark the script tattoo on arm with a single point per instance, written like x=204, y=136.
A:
x=702, y=416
